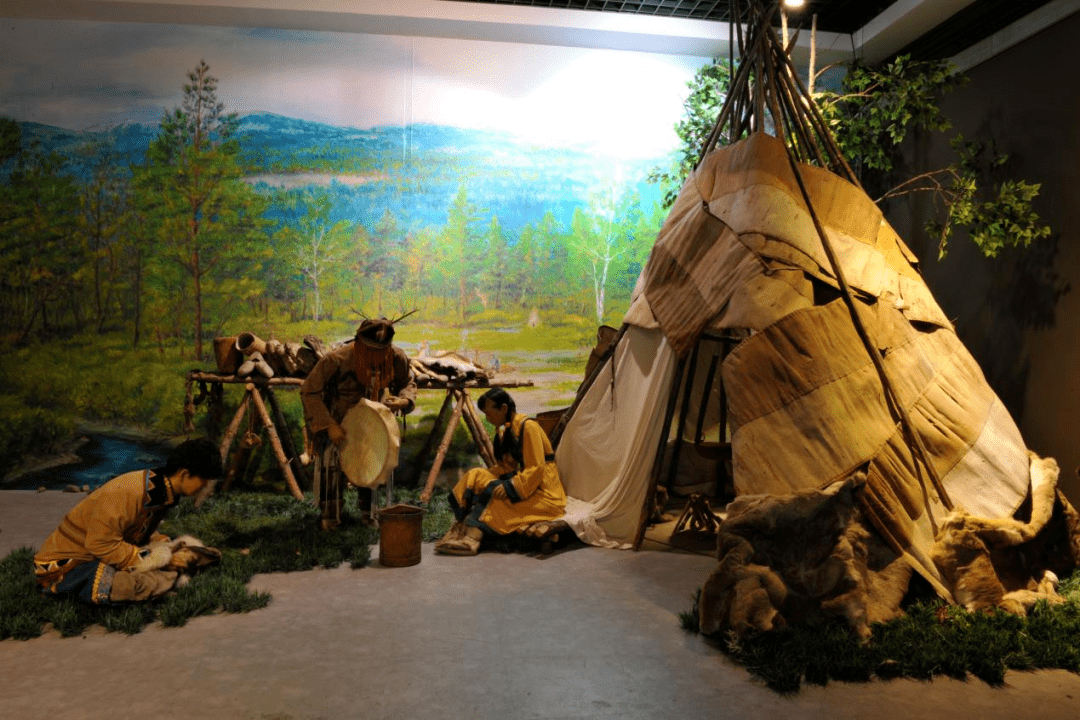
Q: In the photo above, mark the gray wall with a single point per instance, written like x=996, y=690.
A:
x=1019, y=314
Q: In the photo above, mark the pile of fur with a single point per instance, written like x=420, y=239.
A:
x=162, y=567
x=790, y=559
x=812, y=554
x=447, y=367
x=184, y=555
x=1012, y=563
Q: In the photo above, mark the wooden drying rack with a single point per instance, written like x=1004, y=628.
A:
x=260, y=402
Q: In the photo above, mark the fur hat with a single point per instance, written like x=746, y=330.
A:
x=376, y=332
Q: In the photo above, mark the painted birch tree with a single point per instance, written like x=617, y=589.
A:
x=598, y=243
x=319, y=246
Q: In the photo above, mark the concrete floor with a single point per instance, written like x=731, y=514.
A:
x=584, y=633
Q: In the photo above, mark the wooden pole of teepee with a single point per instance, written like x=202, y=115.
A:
x=732, y=103
x=731, y=69
x=706, y=393
x=792, y=118
x=817, y=121
x=794, y=111
x=658, y=457
x=560, y=426
x=684, y=409
x=737, y=105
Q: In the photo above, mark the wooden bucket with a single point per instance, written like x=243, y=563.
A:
x=227, y=356
x=400, y=535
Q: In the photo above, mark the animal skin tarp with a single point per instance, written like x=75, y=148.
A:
x=739, y=251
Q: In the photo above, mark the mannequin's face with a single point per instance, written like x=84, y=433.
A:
x=496, y=415
x=184, y=483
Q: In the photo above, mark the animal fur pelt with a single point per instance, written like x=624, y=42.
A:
x=446, y=366
x=790, y=558
x=184, y=556
x=1011, y=563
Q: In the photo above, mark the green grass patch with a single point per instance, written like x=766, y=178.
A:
x=932, y=639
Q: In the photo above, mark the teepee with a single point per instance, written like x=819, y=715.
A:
x=781, y=313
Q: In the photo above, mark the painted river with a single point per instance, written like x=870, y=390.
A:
x=102, y=458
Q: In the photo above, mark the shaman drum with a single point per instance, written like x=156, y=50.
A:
x=372, y=441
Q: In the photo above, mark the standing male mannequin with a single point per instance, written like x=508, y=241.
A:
x=370, y=367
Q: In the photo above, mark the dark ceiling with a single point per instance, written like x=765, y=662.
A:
x=844, y=16
x=973, y=23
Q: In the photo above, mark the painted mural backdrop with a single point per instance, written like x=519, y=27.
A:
x=159, y=180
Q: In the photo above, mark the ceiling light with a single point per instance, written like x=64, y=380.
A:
x=794, y=3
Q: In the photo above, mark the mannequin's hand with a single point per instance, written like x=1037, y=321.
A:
x=396, y=403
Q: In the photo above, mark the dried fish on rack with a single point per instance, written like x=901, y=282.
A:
x=449, y=367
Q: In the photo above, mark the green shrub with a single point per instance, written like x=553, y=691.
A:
x=28, y=429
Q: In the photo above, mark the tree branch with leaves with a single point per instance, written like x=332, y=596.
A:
x=874, y=112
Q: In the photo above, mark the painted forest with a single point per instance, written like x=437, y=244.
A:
x=124, y=251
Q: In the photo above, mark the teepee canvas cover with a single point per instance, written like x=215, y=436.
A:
x=740, y=250
x=806, y=405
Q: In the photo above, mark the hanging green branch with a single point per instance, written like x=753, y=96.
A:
x=877, y=108
x=995, y=214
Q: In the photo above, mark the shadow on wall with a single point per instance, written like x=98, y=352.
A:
x=993, y=302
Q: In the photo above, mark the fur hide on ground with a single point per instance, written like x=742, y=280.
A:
x=811, y=554
x=1012, y=563
x=184, y=556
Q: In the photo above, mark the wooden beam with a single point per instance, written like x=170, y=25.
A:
x=275, y=442
x=429, y=486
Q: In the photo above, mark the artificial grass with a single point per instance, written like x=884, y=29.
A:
x=256, y=532
x=933, y=638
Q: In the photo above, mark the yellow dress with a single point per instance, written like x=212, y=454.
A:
x=534, y=492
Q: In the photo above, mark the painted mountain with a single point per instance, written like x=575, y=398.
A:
x=414, y=171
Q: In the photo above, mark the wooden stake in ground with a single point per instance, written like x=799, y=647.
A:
x=275, y=442
x=476, y=428
x=429, y=486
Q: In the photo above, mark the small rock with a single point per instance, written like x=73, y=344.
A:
x=71, y=488
x=42, y=489
x=86, y=488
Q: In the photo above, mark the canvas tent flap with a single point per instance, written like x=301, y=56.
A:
x=701, y=276
x=605, y=454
